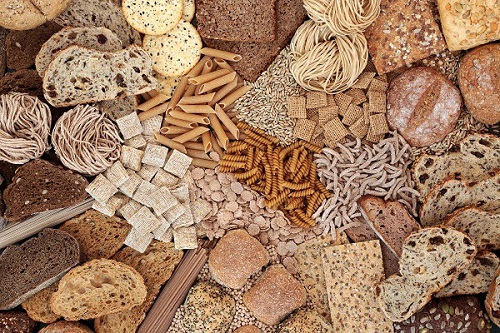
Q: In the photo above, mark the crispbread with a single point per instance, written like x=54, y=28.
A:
x=310, y=270
x=153, y=18
x=176, y=52
x=351, y=273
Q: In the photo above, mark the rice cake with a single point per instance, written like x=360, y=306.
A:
x=153, y=17
x=351, y=273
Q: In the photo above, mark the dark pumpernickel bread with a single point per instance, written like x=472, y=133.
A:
x=23, y=81
x=35, y=264
x=3, y=60
x=256, y=57
x=16, y=322
x=40, y=186
x=23, y=46
x=237, y=21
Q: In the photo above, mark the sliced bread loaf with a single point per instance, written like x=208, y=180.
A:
x=23, y=81
x=79, y=75
x=16, y=322
x=118, y=107
x=476, y=154
x=482, y=226
x=99, y=13
x=100, y=236
x=38, y=305
x=96, y=38
x=97, y=288
x=35, y=264
x=39, y=186
x=390, y=221
x=453, y=193
x=492, y=301
x=476, y=277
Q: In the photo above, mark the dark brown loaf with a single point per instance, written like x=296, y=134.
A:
x=239, y=21
x=40, y=186
x=16, y=322
x=3, y=60
x=479, y=82
x=423, y=106
x=23, y=81
x=35, y=264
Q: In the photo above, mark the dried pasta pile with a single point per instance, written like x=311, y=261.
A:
x=287, y=176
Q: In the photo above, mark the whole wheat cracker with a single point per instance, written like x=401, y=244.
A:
x=296, y=106
x=304, y=129
x=352, y=114
x=131, y=158
x=315, y=99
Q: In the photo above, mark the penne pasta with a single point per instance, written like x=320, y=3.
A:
x=208, y=76
x=215, y=145
x=206, y=142
x=170, y=143
x=230, y=99
x=223, y=92
x=191, y=117
x=194, y=133
x=219, y=131
x=153, y=93
x=196, y=70
x=152, y=102
x=197, y=154
x=202, y=163
x=196, y=108
x=196, y=145
x=178, y=93
x=221, y=54
x=159, y=109
x=228, y=123
x=200, y=99
x=179, y=122
x=221, y=63
x=216, y=83
x=169, y=130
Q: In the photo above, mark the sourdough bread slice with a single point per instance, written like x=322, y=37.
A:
x=492, y=301
x=156, y=265
x=476, y=277
x=79, y=75
x=38, y=305
x=482, y=226
x=453, y=193
x=35, y=264
x=476, y=154
x=97, y=288
x=39, y=186
x=99, y=13
x=96, y=38
x=390, y=221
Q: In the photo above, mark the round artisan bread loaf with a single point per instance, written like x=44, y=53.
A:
x=29, y=14
x=64, y=326
x=423, y=106
x=479, y=82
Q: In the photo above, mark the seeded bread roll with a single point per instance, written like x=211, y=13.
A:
x=96, y=38
x=68, y=80
x=35, y=264
x=423, y=105
x=479, y=82
x=97, y=288
x=302, y=321
x=16, y=322
x=492, y=301
x=64, y=326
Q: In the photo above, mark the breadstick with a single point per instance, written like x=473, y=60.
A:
x=216, y=83
x=206, y=142
x=202, y=163
x=223, y=92
x=159, y=109
x=200, y=99
x=190, y=117
x=169, y=130
x=194, y=133
x=178, y=92
x=196, y=108
x=219, y=131
x=221, y=54
x=180, y=123
x=170, y=143
x=208, y=76
x=152, y=102
x=228, y=100
x=228, y=123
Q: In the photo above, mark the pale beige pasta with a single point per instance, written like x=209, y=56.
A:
x=231, y=98
x=153, y=93
x=197, y=154
x=170, y=143
x=190, y=117
x=307, y=36
x=197, y=145
x=224, y=91
x=228, y=123
x=159, y=109
x=179, y=122
x=196, y=108
x=221, y=54
x=206, y=142
x=178, y=93
x=170, y=130
x=152, y=102
x=202, y=163
x=196, y=70
x=219, y=131
x=216, y=83
x=199, y=99
x=208, y=76
x=221, y=63
x=192, y=134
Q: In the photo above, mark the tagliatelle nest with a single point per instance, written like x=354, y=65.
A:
x=24, y=127
x=86, y=141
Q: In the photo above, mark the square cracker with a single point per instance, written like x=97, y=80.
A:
x=138, y=241
x=129, y=125
x=178, y=163
x=351, y=273
x=297, y=107
x=117, y=174
x=315, y=99
x=131, y=184
x=152, y=125
x=155, y=155
x=131, y=158
x=304, y=129
x=144, y=221
x=185, y=238
x=334, y=130
x=101, y=189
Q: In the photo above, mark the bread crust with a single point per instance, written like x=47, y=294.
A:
x=492, y=297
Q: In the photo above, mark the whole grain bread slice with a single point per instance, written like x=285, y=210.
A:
x=482, y=226
x=35, y=264
x=97, y=288
x=80, y=75
x=23, y=81
x=99, y=13
x=38, y=306
x=492, y=301
x=389, y=219
x=97, y=38
x=39, y=186
x=453, y=193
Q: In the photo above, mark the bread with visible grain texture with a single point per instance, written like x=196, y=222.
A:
x=64, y=326
x=38, y=305
x=492, y=301
x=16, y=322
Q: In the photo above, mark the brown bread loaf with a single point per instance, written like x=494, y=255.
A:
x=64, y=326
x=23, y=81
x=16, y=322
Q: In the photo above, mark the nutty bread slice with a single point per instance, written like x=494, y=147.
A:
x=80, y=75
x=39, y=186
x=305, y=320
x=492, y=301
x=389, y=219
x=97, y=288
x=475, y=155
x=35, y=264
x=482, y=226
x=64, y=326
x=38, y=305
x=476, y=277
x=453, y=193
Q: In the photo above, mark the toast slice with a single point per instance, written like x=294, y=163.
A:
x=390, y=220
x=39, y=186
x=453, y=193
x=35, y=264
x=79, y=75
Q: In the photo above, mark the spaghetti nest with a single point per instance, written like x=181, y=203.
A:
x=323, y=61
x=86, y=141
x=24, y=127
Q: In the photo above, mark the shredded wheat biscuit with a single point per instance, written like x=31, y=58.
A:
x=304, y=129
x=131, y=158
x=343, y=101
x=334, y=130
x=364, y=80
x=178, y=163
x=101, y=189
x=296, y=106
x=147, y=172
x=378, y=124
x=353, y=114
x=315, y=99
x=155, y=155
x=131, y=184
x=129, y=209
x=144, y=192
x=144, y=221
x=185, y=238
x=163, y=178
x=129, y=125
x=152, y=125
x=117, y=174
x=137, y=141
x=138, y=241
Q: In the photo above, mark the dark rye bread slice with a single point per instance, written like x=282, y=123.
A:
x=256, y=57
x=237, y=21
x=16, y=322
x=39, y=186
x=35, y=264
x=3, y=59
x=389, y=219
x=23, y=81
